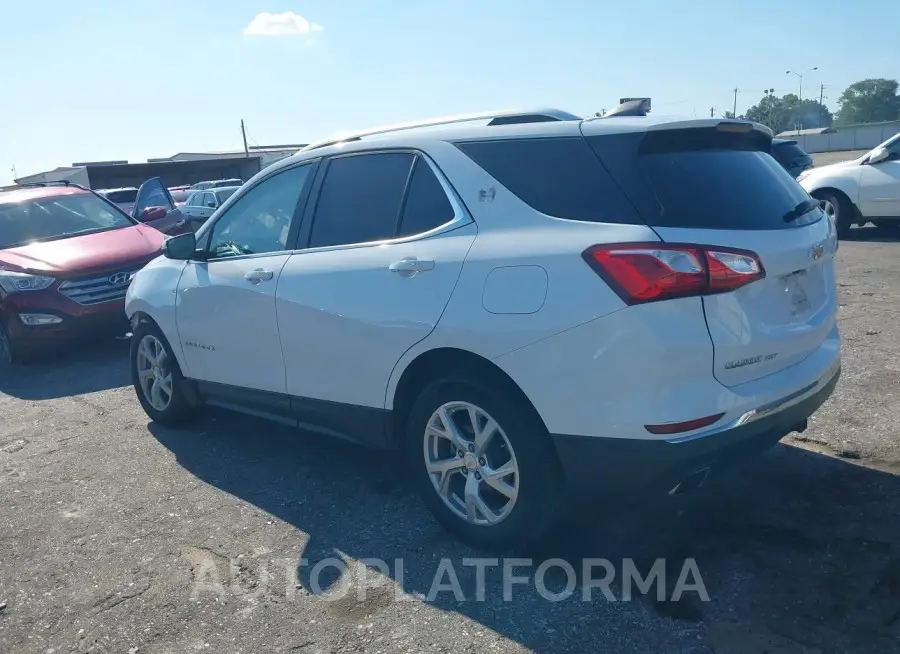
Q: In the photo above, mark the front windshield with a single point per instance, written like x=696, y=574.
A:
x=50, y=218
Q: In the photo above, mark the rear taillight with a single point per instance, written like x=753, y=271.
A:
x=648, y=272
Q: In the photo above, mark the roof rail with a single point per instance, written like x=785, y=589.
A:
x=58, y=182
x=495, y=118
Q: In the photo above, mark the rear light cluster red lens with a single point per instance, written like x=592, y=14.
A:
x=681, y=427
x=649, y=272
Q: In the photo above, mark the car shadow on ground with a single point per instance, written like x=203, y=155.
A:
x=799, y=550
x=75, y=370
x=872, y=234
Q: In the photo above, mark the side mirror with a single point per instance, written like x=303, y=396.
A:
x=181, y=248
x=151, y=213
x=878, y=155
x=211, y=205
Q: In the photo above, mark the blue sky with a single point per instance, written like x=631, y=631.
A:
x=113, y=80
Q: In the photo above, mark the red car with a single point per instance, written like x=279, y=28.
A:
x=67, y=256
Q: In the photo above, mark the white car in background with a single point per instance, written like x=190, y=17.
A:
x=861, y=190
x=530, y=312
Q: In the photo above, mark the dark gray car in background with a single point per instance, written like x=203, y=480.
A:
x=791, y=156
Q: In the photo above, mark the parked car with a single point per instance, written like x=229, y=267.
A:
x=67, y=256
x=123, y=197
x=200, y=205
x=154, y=206
x=218, y=183
x=532, y=312
x=791, y=156
x=179, y=194
x=861, y=190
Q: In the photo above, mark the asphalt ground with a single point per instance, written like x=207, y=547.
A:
x=117, y=535
x=825, y=158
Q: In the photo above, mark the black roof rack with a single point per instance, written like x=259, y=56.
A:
x=58, y=182
x=514, y=117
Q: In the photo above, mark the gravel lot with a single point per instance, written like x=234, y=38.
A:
x=113, y=531
x=825, y=158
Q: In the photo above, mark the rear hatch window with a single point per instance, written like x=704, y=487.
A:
x=703, y=178
x=791, y=154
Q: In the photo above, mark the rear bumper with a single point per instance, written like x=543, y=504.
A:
x=594, y=465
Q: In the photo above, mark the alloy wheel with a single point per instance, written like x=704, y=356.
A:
x=830, y=210
x=153, y=372
x=471, y=463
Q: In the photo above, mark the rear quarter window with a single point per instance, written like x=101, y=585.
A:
x=559, y=177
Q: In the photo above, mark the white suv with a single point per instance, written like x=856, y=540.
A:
x=861, y=190
x=535, y=311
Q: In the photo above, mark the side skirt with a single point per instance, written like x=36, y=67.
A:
x=364, y=425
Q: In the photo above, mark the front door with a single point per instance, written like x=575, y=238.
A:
x=226, y=304
x=879, y=187
x=155, y=207
x=386, y=248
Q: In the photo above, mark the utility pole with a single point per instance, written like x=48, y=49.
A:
x=734, y=113
x=821, y=100
x=244, y=134
x=15, y=174
x=712, y=112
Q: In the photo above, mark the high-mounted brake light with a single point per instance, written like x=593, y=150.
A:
x=649, y=272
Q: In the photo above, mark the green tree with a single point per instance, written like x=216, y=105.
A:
x=788, y=113
x=869, y=101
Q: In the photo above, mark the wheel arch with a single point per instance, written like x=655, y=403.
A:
x=141, y=315
x=449, y=362
x=818, y=192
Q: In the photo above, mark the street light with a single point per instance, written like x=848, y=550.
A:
x=800, y=102
x=800, y=75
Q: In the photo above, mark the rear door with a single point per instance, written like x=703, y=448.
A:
x=711, y=183
x=383, y=253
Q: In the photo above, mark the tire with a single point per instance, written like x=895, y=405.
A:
x=12, y=353
x=521, y=440
x=839, y=209
x=178, y=409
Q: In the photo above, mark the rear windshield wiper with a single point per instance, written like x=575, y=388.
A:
x=800, y=210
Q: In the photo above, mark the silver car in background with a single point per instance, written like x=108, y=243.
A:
x=200, y=205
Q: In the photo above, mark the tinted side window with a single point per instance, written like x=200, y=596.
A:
x=426, y=205
x=261, y=219
x=560, y=177
x=360, y=199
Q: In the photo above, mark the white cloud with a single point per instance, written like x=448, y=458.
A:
x=284, y=24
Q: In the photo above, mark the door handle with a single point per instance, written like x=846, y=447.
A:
x=258, y=276
x=410, y=266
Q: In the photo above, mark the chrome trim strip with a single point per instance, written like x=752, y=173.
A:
x=765, y=410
